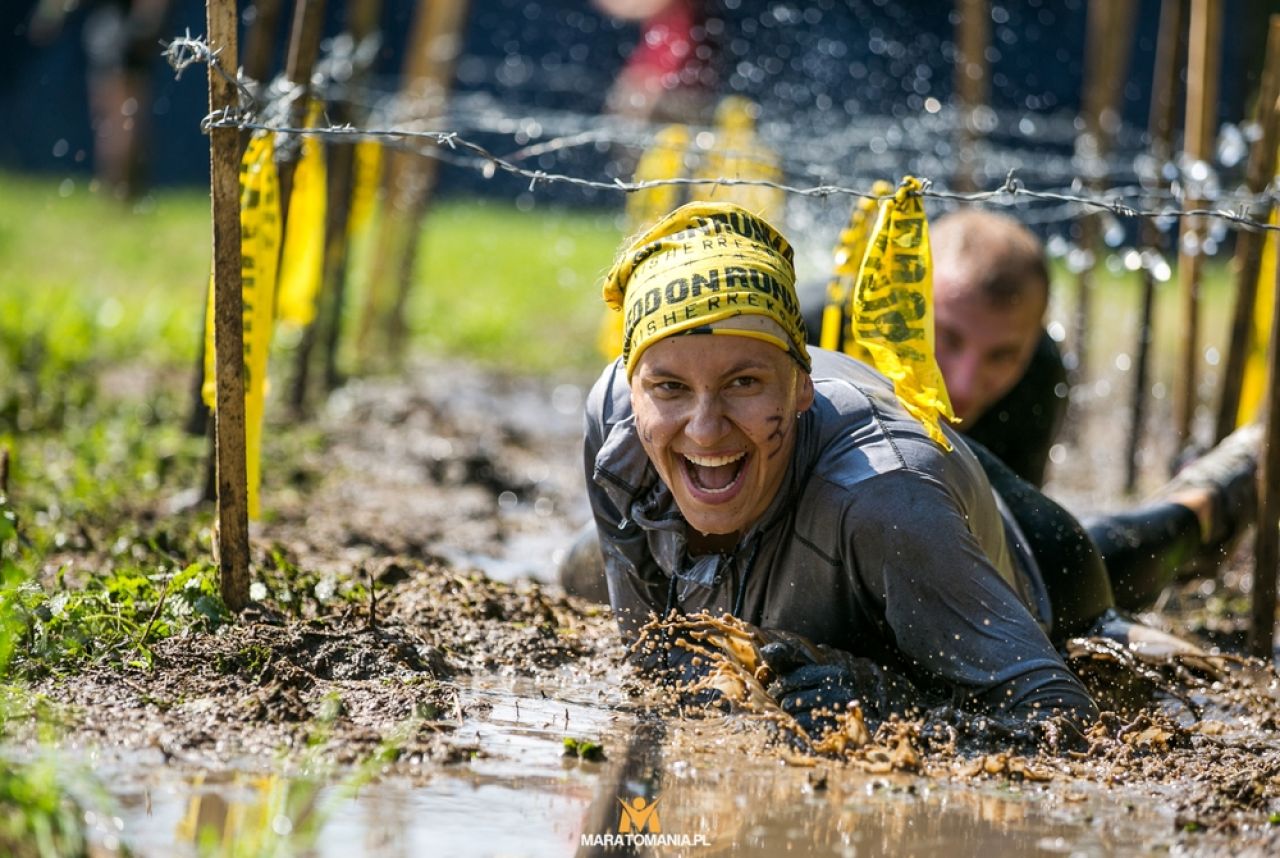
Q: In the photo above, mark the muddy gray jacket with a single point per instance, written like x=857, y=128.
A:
x=879, y=543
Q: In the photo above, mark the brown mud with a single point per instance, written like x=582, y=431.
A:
x=407, y=616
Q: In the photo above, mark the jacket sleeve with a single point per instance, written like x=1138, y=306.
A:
x=950, y=613
x=637, y=587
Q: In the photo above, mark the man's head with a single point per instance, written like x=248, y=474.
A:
x=714, y=350
x=991, y=288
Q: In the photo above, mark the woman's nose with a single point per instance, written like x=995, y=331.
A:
x=707, y=423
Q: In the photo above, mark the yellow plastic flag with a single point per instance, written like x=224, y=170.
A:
x=1253, y=387
x=365, y=175
x=302, y=266
x=837, y=315
x=893, y=308
x=737, y=153
x=665, y=159
x=260, y=256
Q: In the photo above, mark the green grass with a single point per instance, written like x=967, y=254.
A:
x=101, y=307
x=1116, y=313
x=113, y=283
x=523, y=293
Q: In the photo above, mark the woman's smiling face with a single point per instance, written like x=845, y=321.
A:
x=717, y=415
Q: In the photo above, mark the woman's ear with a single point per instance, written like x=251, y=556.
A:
x=804, y=395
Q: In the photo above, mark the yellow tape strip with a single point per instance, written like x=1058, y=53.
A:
x=893, y=308
x=302, y=266
x=837, y=315
x=1253, y=387
x=366, y=173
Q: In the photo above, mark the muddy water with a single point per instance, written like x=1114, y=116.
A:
x=519, y=795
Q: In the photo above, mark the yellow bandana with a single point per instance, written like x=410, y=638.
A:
x=700, y=264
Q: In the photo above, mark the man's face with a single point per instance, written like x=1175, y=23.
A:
x=983, y=348
x=717, y=416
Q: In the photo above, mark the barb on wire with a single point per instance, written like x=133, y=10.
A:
x=185, y=51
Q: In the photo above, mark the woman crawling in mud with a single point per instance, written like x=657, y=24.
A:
x=731, y=469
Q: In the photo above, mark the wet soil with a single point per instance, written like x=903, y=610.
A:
x=407, y=613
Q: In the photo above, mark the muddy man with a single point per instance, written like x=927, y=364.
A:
x=732, y=468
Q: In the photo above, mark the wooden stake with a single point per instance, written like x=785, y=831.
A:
x=362, y=22
x=304, y=47
x=1267, y=543
x=434, y=46
x=1165, y=79
x=261, y=41
x=224, y=164
x=1110, y=27
x=1248, y=260
x=1204, y=50
x=257, y=65
x=972, y=83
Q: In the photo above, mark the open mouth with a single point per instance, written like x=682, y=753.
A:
x=715, y=475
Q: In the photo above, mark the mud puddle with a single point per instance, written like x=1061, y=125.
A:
x=517, y=793
x=514, y=792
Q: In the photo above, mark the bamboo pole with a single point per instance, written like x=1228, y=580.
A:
x=362, y=23
x=229, y=428
x=261, y=41
x=1267, y=543
x=1165, y=79
x=1110, y=29
x=257, y=64
x=1248, y=259
x=304, y=47
x=1204, y=48
x=428, y=76
x=972, y=83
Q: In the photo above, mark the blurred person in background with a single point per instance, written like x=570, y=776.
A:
x=121, y=39
x=669, y=76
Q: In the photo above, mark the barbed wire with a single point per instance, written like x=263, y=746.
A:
x=815, y=153
x=185, y=51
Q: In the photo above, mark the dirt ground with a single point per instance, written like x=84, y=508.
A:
x=410, y=554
